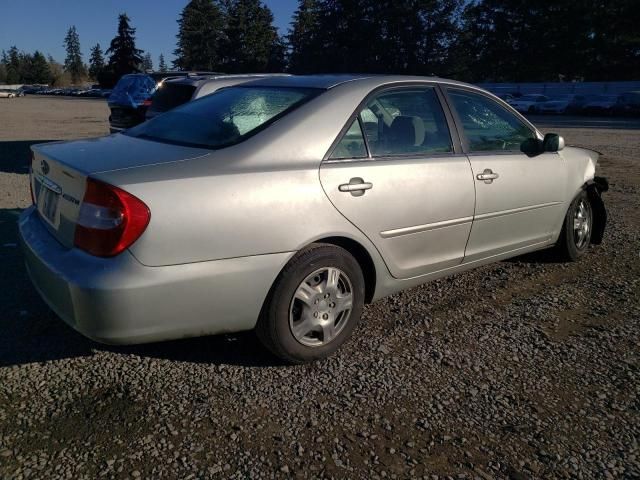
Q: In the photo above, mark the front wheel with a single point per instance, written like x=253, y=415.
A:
x=314, y=305
x=576, y=231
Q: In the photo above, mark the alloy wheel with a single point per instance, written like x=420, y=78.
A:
x=321, y=307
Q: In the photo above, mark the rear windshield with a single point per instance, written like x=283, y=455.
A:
x=223, y=118
x=171, y=95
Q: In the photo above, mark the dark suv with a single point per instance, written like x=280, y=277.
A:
x=132, y=94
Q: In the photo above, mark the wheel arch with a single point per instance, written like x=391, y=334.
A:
x=363, y=258
x=594, y=189
x=355, y=248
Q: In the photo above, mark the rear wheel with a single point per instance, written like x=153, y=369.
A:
x=576, y=231
x=314, y=305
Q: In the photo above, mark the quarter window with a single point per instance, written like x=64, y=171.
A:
x=487, y=125
x=352, y=144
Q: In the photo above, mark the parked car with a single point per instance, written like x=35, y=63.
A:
x=560, y=104
x=528, y=103
x=284, y=204
x=131, y=97
x=177, y=91
x=5, y=93
x=600, y=105
x=628, y=104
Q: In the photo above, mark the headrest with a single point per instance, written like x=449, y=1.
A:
x=407, y=131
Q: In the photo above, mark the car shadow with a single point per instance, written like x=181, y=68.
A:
x=32, y=333
x=548, y=255
x=15, y=156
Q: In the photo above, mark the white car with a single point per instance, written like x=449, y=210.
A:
x=7, y=94
x=562, y=104
x=528, y=103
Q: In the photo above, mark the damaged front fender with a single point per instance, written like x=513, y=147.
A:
x=595, y=188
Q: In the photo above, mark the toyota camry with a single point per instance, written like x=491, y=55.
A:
x=288, y=203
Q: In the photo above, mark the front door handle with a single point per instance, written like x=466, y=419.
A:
x=488, y=176
x=356, y=186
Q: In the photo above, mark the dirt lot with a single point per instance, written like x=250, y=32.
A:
x=524, y=369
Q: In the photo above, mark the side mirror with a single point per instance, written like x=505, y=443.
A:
x=532, y=147
x=552, y=142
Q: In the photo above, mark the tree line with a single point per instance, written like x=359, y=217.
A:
x=106, y=67
x=478, y=40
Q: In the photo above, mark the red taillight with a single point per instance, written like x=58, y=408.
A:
x=146, y=103
x=110, y=220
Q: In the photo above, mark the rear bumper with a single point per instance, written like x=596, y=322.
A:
x=124, y=117
x=120, y=301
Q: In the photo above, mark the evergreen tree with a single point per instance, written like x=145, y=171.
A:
x=96, y=62
x=161, y=65
x=614, y=38
x=199, y=36
x=147, y=62
x=301, y=37
x=40, y=71
x=252, y=43
x=13, y=66
x=380, y=36
x=73, y=61
x=124, y=56
x=24, y=67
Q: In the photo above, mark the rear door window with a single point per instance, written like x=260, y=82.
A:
x=406, y=121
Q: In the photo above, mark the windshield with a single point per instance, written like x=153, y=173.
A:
x=132, y=90
x=224, y=118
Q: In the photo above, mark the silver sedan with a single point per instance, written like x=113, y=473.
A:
x=285, y=204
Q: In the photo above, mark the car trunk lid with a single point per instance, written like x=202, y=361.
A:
x=59, y=173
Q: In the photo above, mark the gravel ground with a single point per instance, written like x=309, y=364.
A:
x=523, y=369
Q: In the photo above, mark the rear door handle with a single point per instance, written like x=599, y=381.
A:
x=356, y=186
x=487, y=176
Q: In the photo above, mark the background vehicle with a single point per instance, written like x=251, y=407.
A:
x=286, y=203
x=7, y=93
x=628, y=104
x=528, y=103
x=507, y=97
x=600, y=105
x=177, y=91
x=131, y=97
x=563, y=104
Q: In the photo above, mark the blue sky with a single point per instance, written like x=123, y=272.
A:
x=42, y=24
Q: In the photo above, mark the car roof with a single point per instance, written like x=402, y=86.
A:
x=199, y=79
x=331, y=81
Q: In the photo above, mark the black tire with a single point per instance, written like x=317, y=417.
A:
x=570, y=246
x=274, y=329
